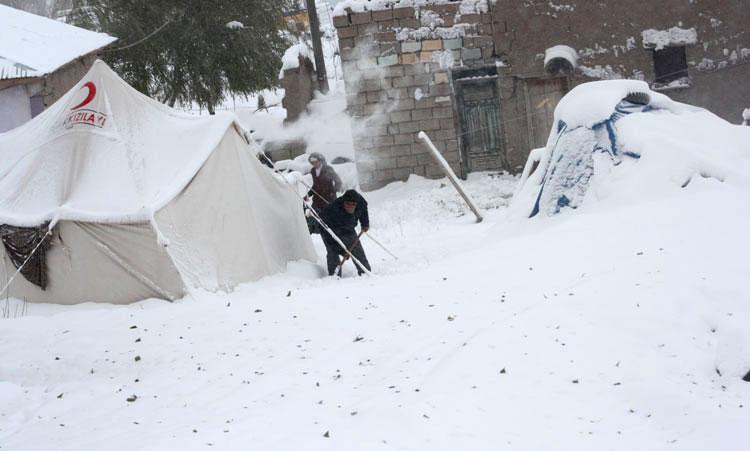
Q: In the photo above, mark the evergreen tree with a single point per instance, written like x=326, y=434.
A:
x=191, y=50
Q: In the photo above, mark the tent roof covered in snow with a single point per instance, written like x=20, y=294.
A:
x=103, y=153
x=33, y=46
x=144, y=201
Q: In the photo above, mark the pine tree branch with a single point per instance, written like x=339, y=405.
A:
x=150, y=35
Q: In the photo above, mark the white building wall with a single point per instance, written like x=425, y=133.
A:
x=15, y=108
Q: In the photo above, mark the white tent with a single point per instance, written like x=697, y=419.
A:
x=143, y=201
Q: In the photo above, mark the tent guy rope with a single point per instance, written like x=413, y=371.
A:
x=367, y=234
x=20, y=268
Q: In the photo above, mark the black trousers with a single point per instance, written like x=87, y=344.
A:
x=334, y=252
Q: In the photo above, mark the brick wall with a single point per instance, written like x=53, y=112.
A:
x=399, y=80
x=398, y=83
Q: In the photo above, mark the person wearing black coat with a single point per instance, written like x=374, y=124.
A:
x=342, y=216
x=326, y=183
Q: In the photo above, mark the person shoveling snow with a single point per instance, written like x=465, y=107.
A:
x=342, y=217
x=326, y=182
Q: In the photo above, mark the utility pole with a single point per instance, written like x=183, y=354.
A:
x=320, y=64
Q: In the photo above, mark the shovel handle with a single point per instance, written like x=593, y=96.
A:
x=346, y=257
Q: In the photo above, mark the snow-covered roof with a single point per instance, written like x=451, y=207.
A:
x=33, y=46
x=104, y=152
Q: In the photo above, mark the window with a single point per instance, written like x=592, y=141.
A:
x=670, y=67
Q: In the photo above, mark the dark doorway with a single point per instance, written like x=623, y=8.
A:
x=670, y=64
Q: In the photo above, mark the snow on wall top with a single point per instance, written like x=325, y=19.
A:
x=659, y=39
x=102, y=153
x=358, y=6
x=291, y=57
x=33, y=46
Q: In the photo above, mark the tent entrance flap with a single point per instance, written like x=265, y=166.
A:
x=24, y=245
x=89, y=262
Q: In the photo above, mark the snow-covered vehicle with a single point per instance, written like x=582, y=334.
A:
x=618, y=140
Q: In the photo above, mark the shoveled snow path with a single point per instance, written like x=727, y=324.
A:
x=610, y=328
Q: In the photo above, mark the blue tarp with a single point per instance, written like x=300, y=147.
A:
x=571, y=164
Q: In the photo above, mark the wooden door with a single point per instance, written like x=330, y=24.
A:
x=481, y=125
x=542, y=96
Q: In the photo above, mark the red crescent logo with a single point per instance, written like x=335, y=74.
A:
x=92, y=92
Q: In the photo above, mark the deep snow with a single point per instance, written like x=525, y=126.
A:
x=586, y=331
x=618, y=326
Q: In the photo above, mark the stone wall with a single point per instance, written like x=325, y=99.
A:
x=401, y=64
x=299, y=88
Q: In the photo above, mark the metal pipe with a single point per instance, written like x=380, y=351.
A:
x=450, y=174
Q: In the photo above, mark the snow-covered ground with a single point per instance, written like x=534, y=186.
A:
x=619, y=326
x=619, y=329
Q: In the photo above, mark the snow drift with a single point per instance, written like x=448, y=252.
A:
x=617, y=142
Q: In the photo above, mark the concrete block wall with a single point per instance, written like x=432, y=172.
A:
x=398, y=83
x=396, y=77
